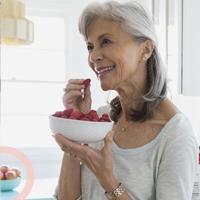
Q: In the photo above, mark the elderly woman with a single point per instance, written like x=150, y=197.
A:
x=151, y=151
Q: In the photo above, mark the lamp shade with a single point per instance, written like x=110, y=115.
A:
x=15, y=28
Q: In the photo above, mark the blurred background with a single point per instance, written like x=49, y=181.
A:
x=34, y=74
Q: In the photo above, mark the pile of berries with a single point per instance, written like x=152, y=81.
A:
x=7, y=173
x=74, y=114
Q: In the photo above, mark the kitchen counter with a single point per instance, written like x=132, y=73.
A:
x=43, y=189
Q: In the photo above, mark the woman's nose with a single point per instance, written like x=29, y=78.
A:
x=95, y=56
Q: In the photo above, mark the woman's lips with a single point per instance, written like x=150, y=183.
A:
x=104, y=70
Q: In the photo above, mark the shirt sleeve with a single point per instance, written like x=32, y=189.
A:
x=177, y=169
x=103, y=109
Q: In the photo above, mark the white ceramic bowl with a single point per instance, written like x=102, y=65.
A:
x=80, y=131
x=7, y=185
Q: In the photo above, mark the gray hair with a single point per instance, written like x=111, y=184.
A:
x=134, y=20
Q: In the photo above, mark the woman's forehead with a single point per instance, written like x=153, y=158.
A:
x=101, y=27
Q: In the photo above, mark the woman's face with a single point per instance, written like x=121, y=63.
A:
x=113, y=53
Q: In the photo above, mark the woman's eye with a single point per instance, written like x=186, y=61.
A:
x=89, y=47
x=106, y=41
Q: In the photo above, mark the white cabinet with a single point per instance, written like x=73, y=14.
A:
x=189, y=47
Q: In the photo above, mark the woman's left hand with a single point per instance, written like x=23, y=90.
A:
x=98, y=161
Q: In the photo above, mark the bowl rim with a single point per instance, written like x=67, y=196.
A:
x=9, y=180
x=79, y=121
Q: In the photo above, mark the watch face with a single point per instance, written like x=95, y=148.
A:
x=115, y=193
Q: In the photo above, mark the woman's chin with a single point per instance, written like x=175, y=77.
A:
x=105, y=87
x=105, y=83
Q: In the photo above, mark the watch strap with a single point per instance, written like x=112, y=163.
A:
x=116, y=192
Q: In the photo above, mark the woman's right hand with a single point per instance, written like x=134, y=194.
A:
x=77, y=96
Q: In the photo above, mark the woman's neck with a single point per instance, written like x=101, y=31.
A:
x=130, y=96
x=165, y=110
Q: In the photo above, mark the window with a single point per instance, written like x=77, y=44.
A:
x=32, y=80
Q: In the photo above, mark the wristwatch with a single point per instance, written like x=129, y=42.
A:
x=116, y=192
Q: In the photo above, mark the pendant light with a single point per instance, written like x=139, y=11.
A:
x=15, y=29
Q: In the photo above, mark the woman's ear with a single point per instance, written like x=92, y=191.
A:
x=147, y=49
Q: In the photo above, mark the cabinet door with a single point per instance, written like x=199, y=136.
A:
x=189, y=47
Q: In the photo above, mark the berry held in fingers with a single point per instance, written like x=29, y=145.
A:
x=86, y=82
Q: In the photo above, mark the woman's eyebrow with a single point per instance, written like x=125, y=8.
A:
x=100, y=37
x=103, y=35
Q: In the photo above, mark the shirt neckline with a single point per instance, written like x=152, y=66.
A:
x=149, y=145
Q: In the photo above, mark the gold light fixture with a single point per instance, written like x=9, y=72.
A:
x=15, y=29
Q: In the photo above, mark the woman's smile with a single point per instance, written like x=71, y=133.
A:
x=102, y=72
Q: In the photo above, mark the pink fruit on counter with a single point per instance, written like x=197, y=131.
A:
x=17, y=171
x=1, y=175
x=4, y=168
x=10, y=175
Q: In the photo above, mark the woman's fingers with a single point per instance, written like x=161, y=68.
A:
x=76, y=81
x=70, y=87
x=108, y=141
x=69, y=146
x=109, y=137
x=69, y=98
x=87, y=93
x=62, y=146
x=81, y=152
x=74, y=89
x=96, y=160
x=74, y=84
x=74, y=93
x=77, y=96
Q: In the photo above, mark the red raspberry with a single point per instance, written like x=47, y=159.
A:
x=85, y=119
x=71, y=117
x=105, y=117
x=86, y=82
x=58, y=114
x=102, y=120
x=67, y=112
x=65, y=116
x=76, y=115
x=93, y=116
x=92, y=111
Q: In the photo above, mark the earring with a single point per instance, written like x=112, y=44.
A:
x=144, y=58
